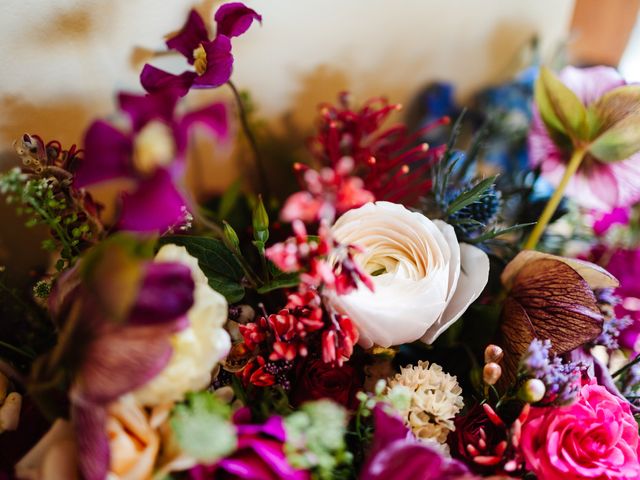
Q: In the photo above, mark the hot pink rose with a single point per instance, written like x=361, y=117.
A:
x=595, y=438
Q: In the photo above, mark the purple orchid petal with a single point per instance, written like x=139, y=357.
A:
x=154, y=207
x=142, y=109
x=92, y=441
x=604, y=221
x=233, y=19
x=122, y=358
x=272, y=427
x=589, y=84
x=219, y=63
x=214, y=118
x=166, y=294
x=154, y=80
x=107, y=155
x=193, y=33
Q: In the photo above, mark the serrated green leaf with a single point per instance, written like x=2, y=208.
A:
x=561, y=110
x=470, y=196
x=216, y=261
x=202, y=428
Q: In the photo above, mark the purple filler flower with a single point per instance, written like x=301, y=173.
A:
x=259, y=456
x=597, y=185
x=211, y=59
x=117, y=313
x=150, y=154
x=562, y=380
x=396, y=453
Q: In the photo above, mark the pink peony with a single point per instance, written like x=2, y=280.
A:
x=597, y=185
x=595, y=438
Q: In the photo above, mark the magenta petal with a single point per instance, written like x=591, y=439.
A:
x=154, y=207
x=141, y=109
x=107, y=155
x=92, y=441
x=219, y=64
x=193, y=33
x=166, y=294
x=155, y=80
x=233, y=19
x=214, y=118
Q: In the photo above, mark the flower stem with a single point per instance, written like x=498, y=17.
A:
x=620, y=371
x=244, y=121
x=554, y=201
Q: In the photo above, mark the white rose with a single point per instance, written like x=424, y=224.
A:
x=196, y=349
x=424, y=279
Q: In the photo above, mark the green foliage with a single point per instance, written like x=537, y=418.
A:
x=218, y=263
x=202, y=428
x=316, y=438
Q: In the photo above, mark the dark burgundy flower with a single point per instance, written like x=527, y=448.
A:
x=150, y=154
x=316, y=379
x=259, y=456
x=211, y=58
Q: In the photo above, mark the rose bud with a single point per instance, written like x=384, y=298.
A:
x=532, y=391
x=491, y=373
x=493, y=353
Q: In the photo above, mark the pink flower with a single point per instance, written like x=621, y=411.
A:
x=595, y=438
x=597, y=185
x=604, y=221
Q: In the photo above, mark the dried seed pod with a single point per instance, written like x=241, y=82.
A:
x=491, y=373
x=532, y=390
x=493, y=353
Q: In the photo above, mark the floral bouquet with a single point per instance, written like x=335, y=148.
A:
x=382, y=308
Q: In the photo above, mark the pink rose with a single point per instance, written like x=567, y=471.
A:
x=595, y=438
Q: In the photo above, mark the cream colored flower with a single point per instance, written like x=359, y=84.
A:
x=423, y=278
x=435, y=401
x=198, y=348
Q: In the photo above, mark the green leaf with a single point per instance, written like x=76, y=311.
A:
x=202, y=428
x=618, y=122
x=470, y=196
x=283, y=280
x=216, y=261
x=561, y=110
x=229, y=199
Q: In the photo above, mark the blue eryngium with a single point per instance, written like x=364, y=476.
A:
x=116, y=311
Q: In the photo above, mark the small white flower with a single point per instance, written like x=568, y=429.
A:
x=196, y=349
x=435, y=400
x=424, y=279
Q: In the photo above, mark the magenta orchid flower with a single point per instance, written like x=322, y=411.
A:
x=118, y=312
x=211, y=58
x=150, y=154
x=597, y=185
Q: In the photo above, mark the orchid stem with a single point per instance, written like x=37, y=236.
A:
x=244, y=121
x=554, y=201
x=620, y=371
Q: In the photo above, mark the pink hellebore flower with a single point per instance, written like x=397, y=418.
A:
x=597, y=185
x=150, y=153
x=211, y=59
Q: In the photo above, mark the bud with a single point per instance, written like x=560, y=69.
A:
x=493, y=353
x=260, y=222
x=232, y=237
x=491, y=373
x=532, y=391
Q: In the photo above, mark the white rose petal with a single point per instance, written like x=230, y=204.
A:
x=196, y=349
x=424, y=279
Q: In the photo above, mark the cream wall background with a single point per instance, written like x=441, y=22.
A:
x=62, y=60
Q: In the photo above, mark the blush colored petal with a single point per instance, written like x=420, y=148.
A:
x=233, y=19
x=92, y=441
x=219, y=64
x=141, y=109
x=166, y=294
x=193, y=33
x=591, y=83
x=155, y=206
x=107, y=155
x=155, y=80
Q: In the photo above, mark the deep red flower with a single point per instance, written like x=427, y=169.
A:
x=316, y=379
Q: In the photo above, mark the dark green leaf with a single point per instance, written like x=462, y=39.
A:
x=229, y=199
x=283, y=280
x=216, y=261
x=470, y=196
